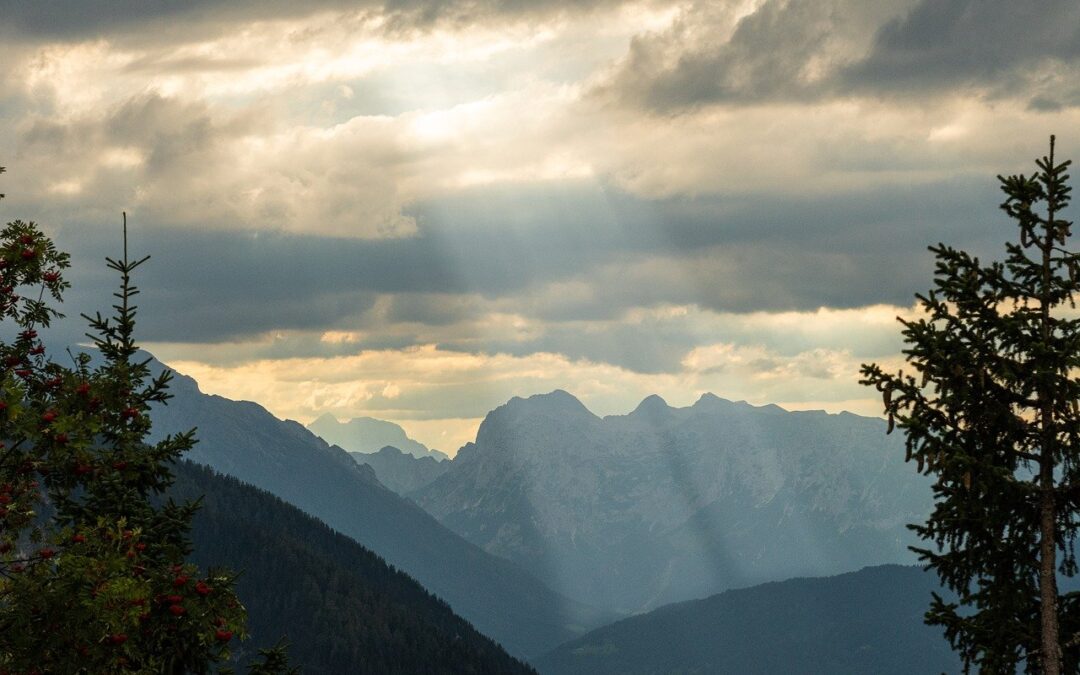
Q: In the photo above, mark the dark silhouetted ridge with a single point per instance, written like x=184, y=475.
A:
x=343, y=609
x=869, y=621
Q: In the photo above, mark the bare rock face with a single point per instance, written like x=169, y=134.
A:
x=665, y=504
x=368, y=435
x=243, y=440
x=401, y=472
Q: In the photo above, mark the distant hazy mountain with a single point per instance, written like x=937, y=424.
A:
x=342, y=608
x=664, y=504
x=243, y=440
x=862, y=622
x=369, y=435
x=400, y=472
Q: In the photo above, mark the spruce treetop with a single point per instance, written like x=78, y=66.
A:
x=989, y=407
x=93, y=571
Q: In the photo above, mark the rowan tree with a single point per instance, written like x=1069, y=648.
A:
x=93, y=571
x=991, y=413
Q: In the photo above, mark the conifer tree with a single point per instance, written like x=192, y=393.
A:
x=992, y=413
x=93, y=576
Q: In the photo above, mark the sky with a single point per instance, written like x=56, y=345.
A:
x=416, y=209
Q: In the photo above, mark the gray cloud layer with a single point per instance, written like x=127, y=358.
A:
x=798, y=50
x=236, y=194
x=155, y=21
x=1007, y=47
x=734, y=254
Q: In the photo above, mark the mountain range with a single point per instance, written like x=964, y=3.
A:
x=624, y=513
x=243, y=440
x=401, y=472
x=340, y=607
x=343, y=609
x=666, y=504
x=369, y=435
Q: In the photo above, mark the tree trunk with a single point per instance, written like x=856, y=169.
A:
x=1048, y=590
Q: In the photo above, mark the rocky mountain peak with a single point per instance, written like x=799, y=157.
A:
x=557, y=401
x=665, y=504
x=708, y=399
x=367, y=434
x=558, y=404
x=652, y=408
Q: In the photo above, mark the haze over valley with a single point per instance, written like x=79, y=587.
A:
x=543, y=507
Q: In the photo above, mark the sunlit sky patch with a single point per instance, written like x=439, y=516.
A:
x=415, y=210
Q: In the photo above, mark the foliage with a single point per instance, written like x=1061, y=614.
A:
x=991, y=412
x=275, y=662
x=343, y=608
x=93, y=577
x=856, y=623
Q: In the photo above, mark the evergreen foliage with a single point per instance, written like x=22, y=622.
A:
x=244, y=440
x=859, y=623
x=93, y=576
x=992, y=412
x=342, y=607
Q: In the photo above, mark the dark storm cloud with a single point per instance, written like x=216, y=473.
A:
x=168, y=127
x=997, y=44
x=433, y=309
x=728, y=254
x=764, y=58
x=803, y=50
x=77, y=20
x=785, y=50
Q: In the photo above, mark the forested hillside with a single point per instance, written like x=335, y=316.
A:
x=243, y=440
x=342, y=608
x=870, y=621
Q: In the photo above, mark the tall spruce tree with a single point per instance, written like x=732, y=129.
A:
x=93, y=572
x=992, y=412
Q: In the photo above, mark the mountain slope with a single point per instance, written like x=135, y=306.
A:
x=862, y=622
x=401, y=472
x=342, y=608
x=243, y=440
x=666, y=504
x=368, y=435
